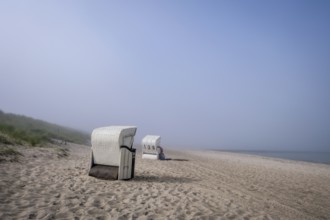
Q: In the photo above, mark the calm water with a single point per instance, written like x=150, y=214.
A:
x=315, y=157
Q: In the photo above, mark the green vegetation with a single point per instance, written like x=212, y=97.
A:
x=10, y=154
x=18, y=129
x=4, y=151
x=5, y=139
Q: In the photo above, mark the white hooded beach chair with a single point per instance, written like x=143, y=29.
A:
x=113, y=155
x=151, y=147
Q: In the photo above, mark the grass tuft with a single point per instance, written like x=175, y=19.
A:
x=62, y=152
x=9, y=154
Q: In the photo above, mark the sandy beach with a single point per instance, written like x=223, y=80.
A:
x=193, y=185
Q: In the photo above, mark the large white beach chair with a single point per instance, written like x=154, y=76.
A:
x=151, y=147
x=113, y=155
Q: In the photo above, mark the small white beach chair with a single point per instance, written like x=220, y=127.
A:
x=112, y=154
x=151, y=147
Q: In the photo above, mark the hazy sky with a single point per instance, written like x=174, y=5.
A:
x=202, y=74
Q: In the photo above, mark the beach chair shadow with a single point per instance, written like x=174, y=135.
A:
x=176, y=159
x=163, y=179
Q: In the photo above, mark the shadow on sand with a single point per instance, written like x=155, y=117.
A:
x=176, y=159
x=163, y=179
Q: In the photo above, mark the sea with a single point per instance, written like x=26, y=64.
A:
x=314, y=157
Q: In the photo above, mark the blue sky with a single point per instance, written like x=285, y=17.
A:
x=202, y=74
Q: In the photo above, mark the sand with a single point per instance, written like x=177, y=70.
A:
x=195, y=185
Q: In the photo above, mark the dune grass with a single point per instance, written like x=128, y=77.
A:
x=9, y=154
x=6, y=151
x=22, y=130
x=62, y=152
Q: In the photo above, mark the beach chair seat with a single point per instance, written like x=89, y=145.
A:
x=112, y=152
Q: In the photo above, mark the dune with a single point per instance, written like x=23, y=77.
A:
x=193, y=185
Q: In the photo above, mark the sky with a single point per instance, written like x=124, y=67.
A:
x=237, y=75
